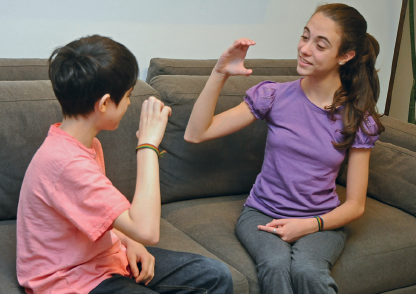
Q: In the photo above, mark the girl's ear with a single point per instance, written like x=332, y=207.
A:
x=346, y=57
x=102, y=104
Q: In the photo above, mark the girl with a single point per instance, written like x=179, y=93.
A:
x=292, y=222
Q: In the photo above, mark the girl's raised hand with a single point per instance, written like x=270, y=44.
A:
x=231, y=62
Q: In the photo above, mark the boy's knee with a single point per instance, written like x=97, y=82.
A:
x=218, y=274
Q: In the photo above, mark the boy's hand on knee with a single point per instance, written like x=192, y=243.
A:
x=137, y=253
x=153, y=120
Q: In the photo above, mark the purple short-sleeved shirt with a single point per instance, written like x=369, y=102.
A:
x=300, y=163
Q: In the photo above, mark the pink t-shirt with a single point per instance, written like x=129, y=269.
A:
x=66, y=209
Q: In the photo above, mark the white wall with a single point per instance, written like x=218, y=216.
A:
x=200, y=29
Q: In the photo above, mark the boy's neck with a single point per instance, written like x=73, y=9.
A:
x=82, y=129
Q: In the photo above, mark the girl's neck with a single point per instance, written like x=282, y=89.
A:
x=320, y=91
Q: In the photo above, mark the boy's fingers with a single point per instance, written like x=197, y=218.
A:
x=166, y=111
x=133, y=265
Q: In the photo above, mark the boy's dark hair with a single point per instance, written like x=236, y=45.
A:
x=84, y=70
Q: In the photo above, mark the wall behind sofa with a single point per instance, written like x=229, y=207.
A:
x=198, y=29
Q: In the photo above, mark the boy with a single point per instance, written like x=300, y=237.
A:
x=76, y=233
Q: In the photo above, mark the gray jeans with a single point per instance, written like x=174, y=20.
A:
x=175, y=272
x=302, y=267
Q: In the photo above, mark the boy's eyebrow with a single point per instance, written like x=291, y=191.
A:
x=320, y=37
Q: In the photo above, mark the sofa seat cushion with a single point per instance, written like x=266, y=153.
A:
x=8, y=278
x=211, y=223
x=380, y=253
x=174, y=239
x=370, y=262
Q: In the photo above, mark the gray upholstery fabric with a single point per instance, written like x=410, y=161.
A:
x=8, y=279
x=29, y=108
x=174, y=239
x=407, y=290
x=370, y=262
x=380, y=252
x=224, y=166
x=260, y=67
x=399, y=133
x=392, y=177
x=120, y=145
x=23, y=69
x=211, y=222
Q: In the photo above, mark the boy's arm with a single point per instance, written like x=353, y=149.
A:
x=142, y=221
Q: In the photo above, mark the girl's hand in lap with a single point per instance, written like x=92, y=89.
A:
x=291, y=229
x=137, y=253
x=231, y=62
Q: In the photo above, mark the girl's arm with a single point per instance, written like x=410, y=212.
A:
x=291, y=230
x=203, y=125
x=357, y=182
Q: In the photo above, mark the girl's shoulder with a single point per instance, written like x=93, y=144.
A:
x=260, y=98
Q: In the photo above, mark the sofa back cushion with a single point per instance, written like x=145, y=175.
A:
x=28, y=108
x=21, y=69
x=203, y=67
x=392, y=176
x=399, y=133
x=223, y=166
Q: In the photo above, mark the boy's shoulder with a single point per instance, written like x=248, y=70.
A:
x=58, y=151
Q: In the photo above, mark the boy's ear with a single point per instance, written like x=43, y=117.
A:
x=103, y=103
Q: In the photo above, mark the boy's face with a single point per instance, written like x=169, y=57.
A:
x=115, y=113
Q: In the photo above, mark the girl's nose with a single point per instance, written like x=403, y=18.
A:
x=306, y=48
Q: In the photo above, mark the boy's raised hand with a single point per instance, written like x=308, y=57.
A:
x=153, y=120
x=231, y=62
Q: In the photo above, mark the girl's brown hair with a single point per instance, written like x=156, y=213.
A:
x=360, y=87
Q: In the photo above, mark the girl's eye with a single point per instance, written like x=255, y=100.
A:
x=320, y=47
x=304, y=37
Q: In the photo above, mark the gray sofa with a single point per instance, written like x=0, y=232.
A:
x=204, y=186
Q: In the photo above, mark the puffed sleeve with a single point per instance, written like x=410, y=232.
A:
x=260, y=98
x=363, y=140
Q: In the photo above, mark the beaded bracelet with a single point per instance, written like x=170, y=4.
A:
x=320, y=222
x=154, y=148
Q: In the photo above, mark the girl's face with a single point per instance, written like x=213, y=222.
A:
x=318, y=48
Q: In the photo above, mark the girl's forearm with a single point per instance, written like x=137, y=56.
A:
x=204, y=108
x=342, y=215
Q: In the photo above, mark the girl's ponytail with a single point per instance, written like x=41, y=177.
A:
x=360, y=87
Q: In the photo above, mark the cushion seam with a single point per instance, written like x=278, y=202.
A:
x=400, y=130
x=380, y=253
